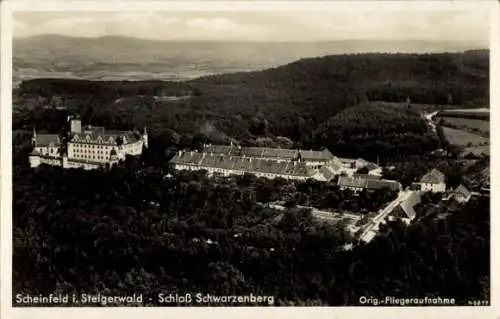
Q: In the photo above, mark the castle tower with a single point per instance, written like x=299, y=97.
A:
x=113, y=157
x=76, y=125
x=33, y=138
x=34, y=159
x=145, y=137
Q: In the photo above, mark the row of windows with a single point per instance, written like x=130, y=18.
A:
x=220, y=170
x=48, y=151
x=87, y=146
x=92, y=146
x=98, y=157
x=91, y=151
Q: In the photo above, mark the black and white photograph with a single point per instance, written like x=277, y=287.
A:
x=239, y=158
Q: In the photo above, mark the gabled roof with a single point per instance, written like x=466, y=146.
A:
x=378, y=184
x=361, y=162
x=99, y=136
x=433, y=177
x=408, y=206
x=187, y=158
x=368, y=183
x=335, y=164
x=461, y=190
x=366, y=176
x=47, y=139
x=327, y=173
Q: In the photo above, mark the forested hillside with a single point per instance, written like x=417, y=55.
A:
x=302, y=101
x=135, y=232
x=138, y=229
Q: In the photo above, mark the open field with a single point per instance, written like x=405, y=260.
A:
x=480, y=113
x=416, y=107
x=475, y=110
x=463, y=138
x=481, y=126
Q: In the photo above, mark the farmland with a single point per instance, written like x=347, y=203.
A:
x=471, y=125
x=462, y=138
x=468, y=129
x=475, y=110
x=480, y=114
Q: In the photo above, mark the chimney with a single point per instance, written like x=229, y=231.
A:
x=180, y=152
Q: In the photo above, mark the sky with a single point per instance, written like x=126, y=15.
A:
x=466, y=26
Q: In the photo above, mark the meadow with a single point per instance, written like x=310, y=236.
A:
x=463, y=138
x=471, y=125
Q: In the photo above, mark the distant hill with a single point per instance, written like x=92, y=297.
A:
x=120, y=58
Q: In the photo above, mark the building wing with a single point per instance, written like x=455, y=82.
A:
x=345, y=181
x=48, y=140
x=433, y=177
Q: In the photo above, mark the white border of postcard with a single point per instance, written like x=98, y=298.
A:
x=7, y=7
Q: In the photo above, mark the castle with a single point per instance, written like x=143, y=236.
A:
x=266, y=162
x=87, y=147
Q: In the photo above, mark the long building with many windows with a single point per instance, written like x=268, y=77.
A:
x=260, y=161
x=87, y=147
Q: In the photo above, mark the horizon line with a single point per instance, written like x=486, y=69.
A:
x=486, y=46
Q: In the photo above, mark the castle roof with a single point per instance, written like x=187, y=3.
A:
x=433, y=177
x=268, y=152
x=98, y=135
x=47, y=140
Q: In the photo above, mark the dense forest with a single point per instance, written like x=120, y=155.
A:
x=137, y=231
x=141, y=228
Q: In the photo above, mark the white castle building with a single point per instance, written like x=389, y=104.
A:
x=88, y=147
